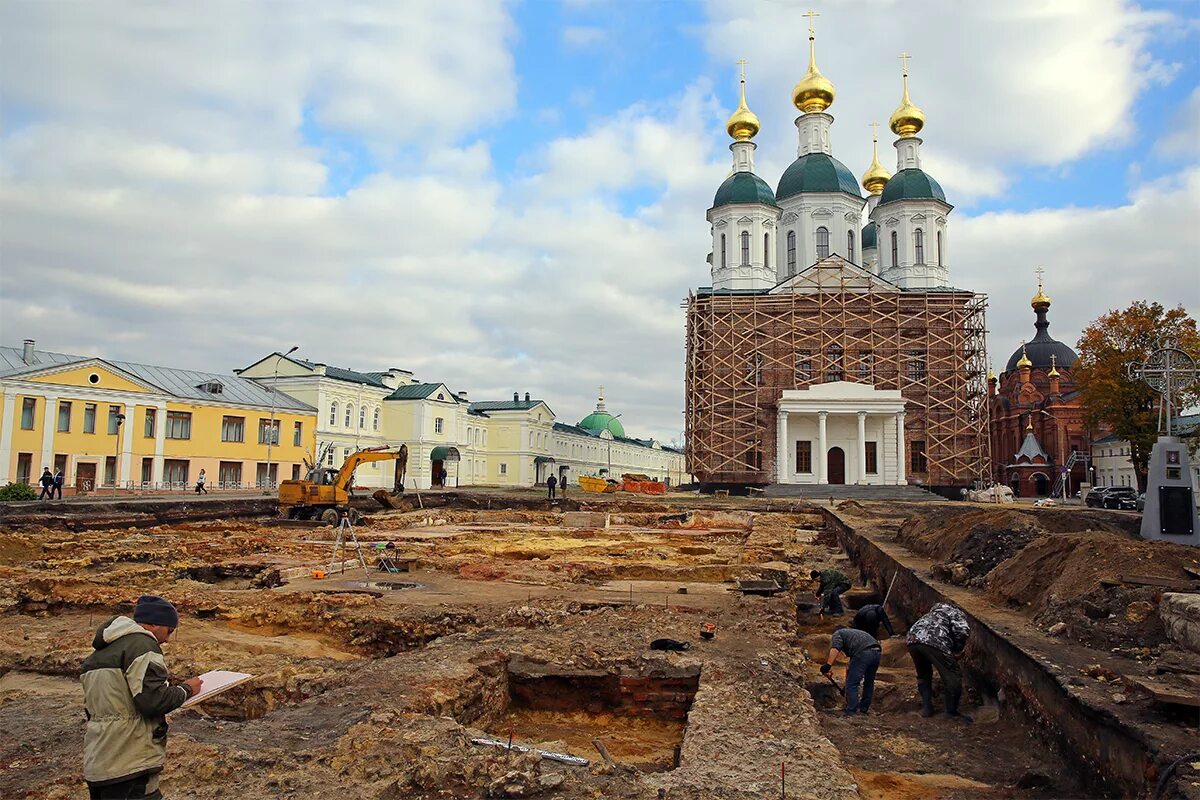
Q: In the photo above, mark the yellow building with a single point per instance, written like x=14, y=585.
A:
x=144, y=427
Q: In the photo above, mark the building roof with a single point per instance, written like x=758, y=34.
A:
x=1042, y=346
x=352, y=376
x=504, y=405
x=744, y=187
x=598, y=421
x=912, y=184
x=816, y=172
x=1031, y=448
x=181, y=383
x=870, y=235
x=1111, y=438
x=417, y=391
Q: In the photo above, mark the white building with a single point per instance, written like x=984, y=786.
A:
x=1113, y=466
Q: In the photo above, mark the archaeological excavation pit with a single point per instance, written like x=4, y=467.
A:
x=639, y=715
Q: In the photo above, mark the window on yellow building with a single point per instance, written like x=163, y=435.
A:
x=114, y=420
x=362, y=417
x=24, y=467
x=229, y=473
x=504, y=469
x=64, y=416
x=179, y=425
x=233, y=429
x=333, y=409
x=28, y=409
x=110, y=470
x=89, y=418
x=298, y=434
x=147, y=470
x=349, y=414
x=268, y=431
x=175, y=470
x=151, y=423
x=438, y=424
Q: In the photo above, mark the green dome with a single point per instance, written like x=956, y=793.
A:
x=816, y=172
x=911, y=184
x=602, y=420
x=869, y=236
x=744, y=187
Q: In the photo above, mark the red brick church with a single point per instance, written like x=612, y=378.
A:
x=1038, y=438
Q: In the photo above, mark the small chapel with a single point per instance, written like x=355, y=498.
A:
x=830, y=346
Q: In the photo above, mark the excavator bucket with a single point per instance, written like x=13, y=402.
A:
x=395, y=498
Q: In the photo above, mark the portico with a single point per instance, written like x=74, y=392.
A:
x=840, y=432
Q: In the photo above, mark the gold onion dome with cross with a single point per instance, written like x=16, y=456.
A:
x=908, y=119
x=876, y=176
x=814, y=92
x=743, y=124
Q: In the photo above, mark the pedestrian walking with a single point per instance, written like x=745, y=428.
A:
x=864, y=653
x=551, y=482
x=47, y=482
x=937, y=640
x=58, y=483
x=201, y=480
x=562, y=486
x=126, y=697
x=831, y=583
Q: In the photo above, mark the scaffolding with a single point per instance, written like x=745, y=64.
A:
x=836, y=323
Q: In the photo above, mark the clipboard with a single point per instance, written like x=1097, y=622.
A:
x=215, y=682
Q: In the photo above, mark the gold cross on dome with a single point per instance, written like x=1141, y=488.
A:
x=810, y=14
x=904, y=57
x=741, y=62
x=1039, y=272
x=874, y=130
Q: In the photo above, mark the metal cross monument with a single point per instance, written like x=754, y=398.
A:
x=1165, y=370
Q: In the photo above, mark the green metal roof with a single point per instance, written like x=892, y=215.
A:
x=601, y=420
x=869, y=235
x=444, y=453
x=816, y=172
x=744, y=187
x=349, y=375
x=504, y=405
x=418, y=391
x=911, y=184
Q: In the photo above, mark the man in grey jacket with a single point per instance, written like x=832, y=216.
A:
x=938, y=640
x=126, y=696
x=864, y=653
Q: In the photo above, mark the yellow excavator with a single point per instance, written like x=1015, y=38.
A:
x=325, y=493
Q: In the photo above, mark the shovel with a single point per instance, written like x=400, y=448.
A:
x=841, y=691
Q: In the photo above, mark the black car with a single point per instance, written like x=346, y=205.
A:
x=1095, y=497
x=1120, y=497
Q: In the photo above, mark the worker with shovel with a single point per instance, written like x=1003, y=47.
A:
x=938, y=639
x=864, y=653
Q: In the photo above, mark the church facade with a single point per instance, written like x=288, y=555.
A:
x=826, y=351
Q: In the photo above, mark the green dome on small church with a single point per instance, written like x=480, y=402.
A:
x=912, y=184
x=600, y=420
x=816, y=172
x=743, y=187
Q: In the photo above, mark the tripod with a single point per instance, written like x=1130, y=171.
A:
x=345, y=535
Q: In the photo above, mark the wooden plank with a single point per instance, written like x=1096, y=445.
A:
x=1166, y=583
x=1172, y=695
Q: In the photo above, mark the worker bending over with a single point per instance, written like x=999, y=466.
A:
x=831, y=583
x=864, y=653
x=938, y=640
x=126, y=697
x=870, y=617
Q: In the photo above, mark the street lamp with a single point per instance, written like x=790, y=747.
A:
x=271, y=428
x=119, y=417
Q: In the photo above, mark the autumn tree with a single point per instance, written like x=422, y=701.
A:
x=1111, y=398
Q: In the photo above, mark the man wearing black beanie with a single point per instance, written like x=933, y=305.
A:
x=127, y=695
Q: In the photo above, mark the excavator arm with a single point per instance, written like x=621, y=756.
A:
x=367, y=456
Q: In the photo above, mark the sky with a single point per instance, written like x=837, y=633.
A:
x=511, y=196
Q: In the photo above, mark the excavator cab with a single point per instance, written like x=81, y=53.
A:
x=324, y=493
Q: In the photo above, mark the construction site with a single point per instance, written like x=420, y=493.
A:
x=494, y=645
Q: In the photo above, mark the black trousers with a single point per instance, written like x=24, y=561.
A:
x=926, y=658
x=47, y=493
x=133, y=789
x=550, y=491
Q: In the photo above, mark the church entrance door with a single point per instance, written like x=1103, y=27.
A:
x=837, y=465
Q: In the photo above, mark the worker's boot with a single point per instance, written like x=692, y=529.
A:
x=925, y=688
x=952, y=708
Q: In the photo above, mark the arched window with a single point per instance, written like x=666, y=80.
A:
x=919, y=245
x=333, y=409
x=791, y=252
x=822, y=242
x=850, y=245
x=766, y=251
x=745, y=248
x=376, y=419
x=939, y=248
x=349, y=414
x=895, y=249
x=724, y=263
x=362, y=417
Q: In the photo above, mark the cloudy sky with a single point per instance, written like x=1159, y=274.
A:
x=511, y=196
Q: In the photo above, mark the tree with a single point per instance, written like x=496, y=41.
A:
x=1113, y=400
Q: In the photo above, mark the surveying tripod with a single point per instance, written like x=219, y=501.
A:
x=346, y=535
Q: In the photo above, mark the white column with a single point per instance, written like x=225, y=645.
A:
x=900, y=474
x=6, y=429
x=822, y=449
x=862, y=447
x=126, y=464
x=48, y=435
x=160, y=442
x=781, y=448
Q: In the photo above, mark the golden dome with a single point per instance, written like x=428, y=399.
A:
x=991, y=375
x=907, y=120
x=1053, y=373
x=1024, y=362
x=814, y=92
x=1040, y=299
x=743, y=124
x=876, y=177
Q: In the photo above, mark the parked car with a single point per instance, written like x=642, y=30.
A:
x=1095, y=496
x=1120, y=497
x=1141, y=501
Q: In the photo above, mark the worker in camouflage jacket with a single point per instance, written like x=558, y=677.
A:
x=126, y=696
x=831, y=583
x=937, y=640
